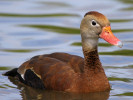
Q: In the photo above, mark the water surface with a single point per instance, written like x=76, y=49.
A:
x=33, y=27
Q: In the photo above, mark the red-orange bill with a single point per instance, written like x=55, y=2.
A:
x=108, y=36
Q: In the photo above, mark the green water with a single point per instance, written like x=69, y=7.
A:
x=34, y=27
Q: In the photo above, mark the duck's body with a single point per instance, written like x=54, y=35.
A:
x=65, y=72
x=70, y=73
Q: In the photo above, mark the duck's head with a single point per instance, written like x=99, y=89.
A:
x=94, y=26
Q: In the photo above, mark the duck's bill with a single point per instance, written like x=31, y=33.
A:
x=108, y=36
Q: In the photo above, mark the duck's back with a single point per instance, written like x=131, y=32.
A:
x=51, y=71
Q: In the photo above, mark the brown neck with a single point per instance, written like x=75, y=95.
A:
x=91, y=60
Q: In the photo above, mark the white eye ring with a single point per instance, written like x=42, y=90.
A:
x=94, y=23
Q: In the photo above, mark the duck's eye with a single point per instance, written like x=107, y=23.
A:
x=94, y=22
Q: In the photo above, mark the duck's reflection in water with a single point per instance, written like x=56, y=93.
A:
x=29, y=93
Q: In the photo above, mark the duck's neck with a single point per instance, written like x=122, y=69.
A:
x=91, y=60
x=91, y=57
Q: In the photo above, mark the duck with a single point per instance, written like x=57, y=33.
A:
x=29, y=93
x=71, y=73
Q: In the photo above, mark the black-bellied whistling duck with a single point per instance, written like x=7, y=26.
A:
x=71, y=73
